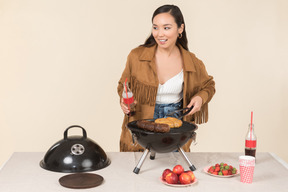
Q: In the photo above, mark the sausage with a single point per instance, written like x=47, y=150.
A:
x=152, y=126
x=161, y=128
x=146, y=125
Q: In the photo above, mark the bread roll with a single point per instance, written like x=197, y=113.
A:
x=177, y=122
x=165, y=121
x=171, y=121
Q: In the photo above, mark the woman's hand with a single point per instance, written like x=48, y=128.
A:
x=197, y=103
x=124, y=107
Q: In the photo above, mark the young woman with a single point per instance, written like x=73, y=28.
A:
x=164, y=76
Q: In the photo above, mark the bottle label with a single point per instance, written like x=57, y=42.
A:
x=250, y=143
x=128, y=100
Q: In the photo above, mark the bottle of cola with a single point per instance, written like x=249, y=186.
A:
x=250, y=142
x=129, y=99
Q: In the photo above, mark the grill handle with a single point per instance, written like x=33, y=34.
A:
x=74, y=126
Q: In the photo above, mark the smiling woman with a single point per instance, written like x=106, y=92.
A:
x=164, y=76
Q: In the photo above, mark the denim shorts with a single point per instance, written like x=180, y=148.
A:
x=161, y=110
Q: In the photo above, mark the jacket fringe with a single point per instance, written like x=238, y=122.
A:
x=200, y=116
x=144, y=94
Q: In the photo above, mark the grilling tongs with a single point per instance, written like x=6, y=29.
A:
x=183, y=112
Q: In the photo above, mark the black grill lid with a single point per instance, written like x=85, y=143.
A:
x=75, y=154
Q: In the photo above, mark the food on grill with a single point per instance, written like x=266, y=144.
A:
x=171, y=121
x=162, y=128
x=177, y=122
x=146, y=125
x=165, y=121
x=152, y=126
x=161, y=125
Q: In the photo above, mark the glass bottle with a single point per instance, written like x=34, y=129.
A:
x=250, y=142
x=128, y=99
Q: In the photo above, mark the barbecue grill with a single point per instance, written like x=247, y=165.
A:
x=162, y=142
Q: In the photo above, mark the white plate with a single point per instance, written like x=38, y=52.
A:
x=178, y=185
x=207, y=168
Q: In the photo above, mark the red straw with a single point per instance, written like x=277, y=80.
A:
x=251, y=125
x=126, y=92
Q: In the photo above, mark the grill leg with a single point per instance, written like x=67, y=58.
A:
x=141, y=161
x=192, y=167
x=152, y=155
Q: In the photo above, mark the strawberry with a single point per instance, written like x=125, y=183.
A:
x=234, y=171
x=217, y=169
x=225, y=172
x=211, y=169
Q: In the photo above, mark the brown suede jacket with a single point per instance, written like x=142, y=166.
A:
x=141, y=74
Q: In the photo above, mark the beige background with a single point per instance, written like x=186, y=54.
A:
x=60, y=61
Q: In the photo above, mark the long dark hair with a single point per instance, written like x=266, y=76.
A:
x=179, y=19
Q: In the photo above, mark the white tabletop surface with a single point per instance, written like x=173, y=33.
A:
x=22, y=173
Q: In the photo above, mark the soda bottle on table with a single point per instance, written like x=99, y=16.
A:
x=128, y=99
x=250, y=141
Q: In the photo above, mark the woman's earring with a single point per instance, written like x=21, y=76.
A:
x=180, y=35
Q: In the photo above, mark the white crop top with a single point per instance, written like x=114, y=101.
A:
x=171, y=91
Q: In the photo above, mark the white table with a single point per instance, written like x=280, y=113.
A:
x=22, y=173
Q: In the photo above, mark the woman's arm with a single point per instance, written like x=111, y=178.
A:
x=206, y=92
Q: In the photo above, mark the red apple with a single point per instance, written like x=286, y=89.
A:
x=185, y=178
x=165, y=172
x=178, y=169
x=171, y=178
x=191, y=175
